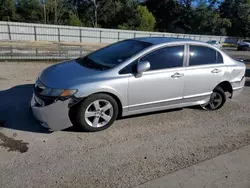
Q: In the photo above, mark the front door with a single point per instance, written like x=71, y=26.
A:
x=160, y=86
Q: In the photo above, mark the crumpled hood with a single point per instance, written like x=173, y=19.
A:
x=66, y=75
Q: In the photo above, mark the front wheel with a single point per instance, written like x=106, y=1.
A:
x=96, y=113
x=217, y=100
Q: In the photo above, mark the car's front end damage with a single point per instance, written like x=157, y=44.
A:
x=52, y=111
x=54, y=116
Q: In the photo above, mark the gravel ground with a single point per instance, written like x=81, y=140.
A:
x=133, y=151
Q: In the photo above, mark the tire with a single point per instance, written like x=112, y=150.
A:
x=217, y=100
x=91, y=117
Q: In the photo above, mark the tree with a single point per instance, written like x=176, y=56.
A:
x=143, y=20
x=238, y=12
x=207, y=20
x=95, y=8
x=74, y=20
x=30, y=11
x=122, y=11
x=88, y=11
x=167, y=14
x=213, y=17
x=187, y=3
x=189, y=16
x=60, y=11
x=105, y=13
x=7, y=10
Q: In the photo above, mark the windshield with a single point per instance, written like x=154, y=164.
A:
x=114, y=54
x=246, y=40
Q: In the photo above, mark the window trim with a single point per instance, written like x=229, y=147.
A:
x=184, y=63
x=217, y=51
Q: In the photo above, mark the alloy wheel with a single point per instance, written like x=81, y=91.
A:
x=99, y=113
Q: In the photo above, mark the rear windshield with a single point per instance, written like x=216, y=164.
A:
x=115, y=54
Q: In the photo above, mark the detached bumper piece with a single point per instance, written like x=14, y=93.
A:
x=53, y=114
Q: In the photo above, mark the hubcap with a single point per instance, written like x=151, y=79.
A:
x=99, y=113
x=215, y=101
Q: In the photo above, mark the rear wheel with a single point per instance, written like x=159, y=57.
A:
x=217, y=100
x=96, y=113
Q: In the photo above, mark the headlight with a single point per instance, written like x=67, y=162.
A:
x=50, y=92
x=58, y=92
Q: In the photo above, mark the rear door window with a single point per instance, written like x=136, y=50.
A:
x=201, y=55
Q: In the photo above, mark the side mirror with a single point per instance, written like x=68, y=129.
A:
x=143, y=66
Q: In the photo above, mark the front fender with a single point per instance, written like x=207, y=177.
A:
x=119, y=88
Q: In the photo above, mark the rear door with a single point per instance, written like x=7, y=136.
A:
x=205, y=70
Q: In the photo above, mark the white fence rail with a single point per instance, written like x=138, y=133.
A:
x=42, y=32
x=78, y=39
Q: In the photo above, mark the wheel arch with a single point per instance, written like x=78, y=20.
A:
x=227, y=87
x=117, y=99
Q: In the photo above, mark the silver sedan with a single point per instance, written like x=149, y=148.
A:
x=135, y=76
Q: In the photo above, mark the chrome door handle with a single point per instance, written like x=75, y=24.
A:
x=177, y=75
x=216, y=71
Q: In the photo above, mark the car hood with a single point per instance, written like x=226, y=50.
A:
x=66, y=75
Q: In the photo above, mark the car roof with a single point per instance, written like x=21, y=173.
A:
x=161, y=40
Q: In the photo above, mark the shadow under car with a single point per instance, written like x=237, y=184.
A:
x=15, y=110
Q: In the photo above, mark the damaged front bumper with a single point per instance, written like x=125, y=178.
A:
x=54, y=116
